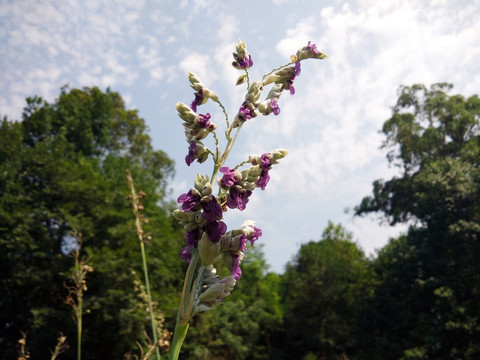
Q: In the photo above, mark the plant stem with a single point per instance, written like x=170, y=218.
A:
x=181, y=329
x=79, y=307
x=185, y=308
x=228, y=148
x=149, y=296
x=138, y=225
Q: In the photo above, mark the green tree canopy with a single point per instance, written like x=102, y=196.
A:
x=62, y=168
x=426, y=305
x=323, y=289
x=434, y=139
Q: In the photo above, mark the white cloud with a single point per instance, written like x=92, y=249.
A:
x=297, y=37
x=56, y=43
x=200, y=65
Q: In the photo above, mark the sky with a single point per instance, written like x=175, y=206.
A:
x=331, y=126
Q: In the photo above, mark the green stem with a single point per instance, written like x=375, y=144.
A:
x=149, y=296
x=185, y=308
x=276, y=69
x=79, y=306
x=181, y=329
x=138, y=225
x=79, y=331
x=229, y=146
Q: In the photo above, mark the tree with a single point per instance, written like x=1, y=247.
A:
x=63, y=168
x=324, y=288
x=429, y=278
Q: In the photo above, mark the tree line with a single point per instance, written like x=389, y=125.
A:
x=62, y=169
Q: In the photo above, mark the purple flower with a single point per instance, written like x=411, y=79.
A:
x=238, y=198
x=274, y=106
x=245, y=111
x=198, y=100
x=313, y=48
x=245, y=62
x=229, y=176
x=192, y=152
x=265, y=162
x=297, y=71
x=186, y=253
x=188, y=200
x=264, y=177
x=193, y=237
x=215, y=230
x=243, y=243
x=263, y=180
x=204, y=120
x=257, y=232
x=298, y=68
x=212, y=210
x=236, y=271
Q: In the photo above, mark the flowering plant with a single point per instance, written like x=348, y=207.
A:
x=208, y=243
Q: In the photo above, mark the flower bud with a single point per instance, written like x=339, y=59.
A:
x=241, y=79
x=183, y=217
x=309, y=52
x=275, y=91
x=242, y=59
x=230, y=243
x=271, y=78
x=201, y=182
x=253, y=172
x=254, y=92
x=214, y=294
x=209, y=251
x=185, y=113
x=195, y=134
x=202, y=153
x=218, y=291
x=202, y=308
x=200, y=88
x=279, y=153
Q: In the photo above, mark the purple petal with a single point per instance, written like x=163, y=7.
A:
x=204, y=120
x=274, y=106
x=192, y=152
x=229, y=177
x=263, y=179
x=215, y=230
x=212, y=210
x=238, y=199
x=193, y=237
x=298, y=68
x=188, y=200
x=257, y=232
x=186, y=253
x=236, y=271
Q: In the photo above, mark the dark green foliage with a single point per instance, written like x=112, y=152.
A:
x=427, y=302
x=324, y=290
x=63, y=168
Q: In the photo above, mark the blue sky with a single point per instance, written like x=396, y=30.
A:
x=143, y=49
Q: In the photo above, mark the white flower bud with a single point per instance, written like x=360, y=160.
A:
x=279, y=153
x=185, y=113
x=275, y=91
x=197, y=85
x=201, y=182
